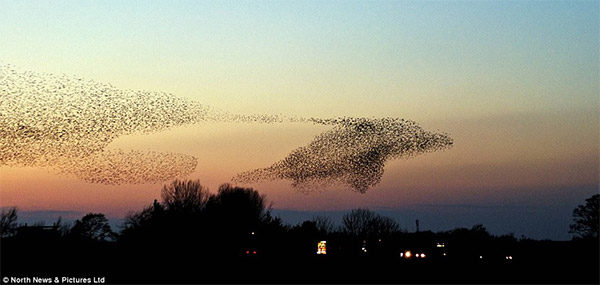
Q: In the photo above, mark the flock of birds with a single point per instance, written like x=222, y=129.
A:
x=353, y=153
x=67, y=124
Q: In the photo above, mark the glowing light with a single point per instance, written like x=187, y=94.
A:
x=322, y=247
x=402, y=254
x=252, y=233
x=444, y=254
x=422, y=255
x=254, y=252
x=509, y=257
x=480, y=257
x=440, y=244
x=408, y=254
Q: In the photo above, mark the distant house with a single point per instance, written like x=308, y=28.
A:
x=38, y=232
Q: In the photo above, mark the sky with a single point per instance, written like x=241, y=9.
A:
x=514, y=83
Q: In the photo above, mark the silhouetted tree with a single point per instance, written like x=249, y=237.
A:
x=61, y=227
x=357, y=221
x=480, y=232
x=8, y=222
x=148, y=215
x=147, y=222
x=365, y=223
x=270, y=223
x=184, y=196
x=93, y=226
x=468, y=244
x=382, y=226
x=231, y=216
x=585, y=218
x=475, y=233
x=304, y=237
x=177, y=222
x=324, y=224
x=237, y=205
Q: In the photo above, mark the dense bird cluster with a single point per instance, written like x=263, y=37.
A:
x=353, y=153
x=67, y=123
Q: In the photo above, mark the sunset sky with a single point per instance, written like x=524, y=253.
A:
x=514, y=83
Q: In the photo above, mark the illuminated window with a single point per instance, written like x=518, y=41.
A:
x=322, y=247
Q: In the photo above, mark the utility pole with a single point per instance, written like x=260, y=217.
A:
x=417, y=225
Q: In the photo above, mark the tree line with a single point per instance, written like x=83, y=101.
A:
x=234, y=230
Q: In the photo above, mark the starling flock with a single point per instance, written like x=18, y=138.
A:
x=66, y=124
x=353, y=153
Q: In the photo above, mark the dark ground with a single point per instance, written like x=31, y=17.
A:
x=537, y=262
